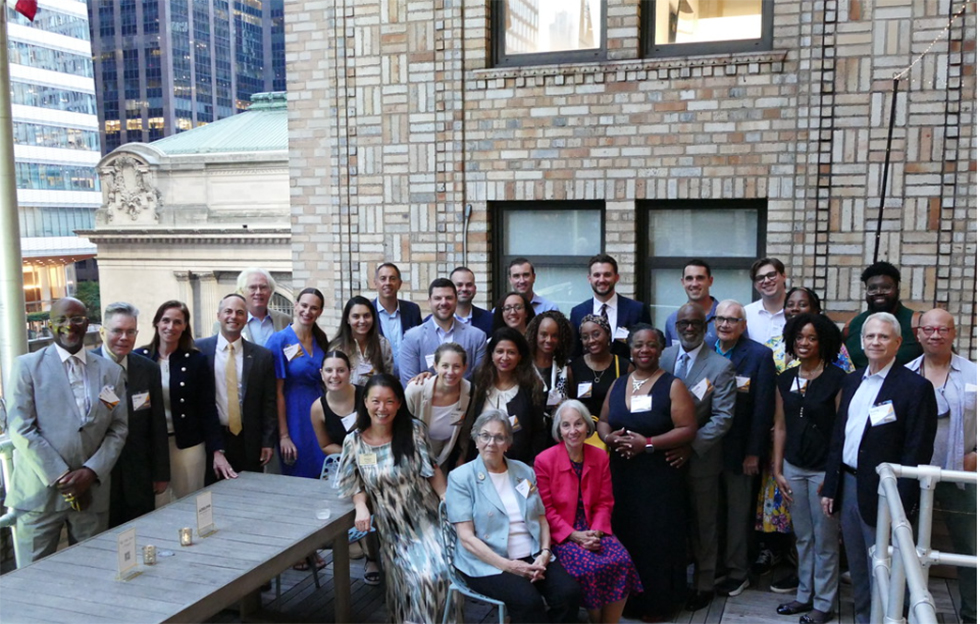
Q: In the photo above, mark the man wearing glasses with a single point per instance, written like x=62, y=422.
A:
x=954, y=380
x=764, y=318
x=67, y=421
x=143, y=469
x=882, y=282
x=747, y=440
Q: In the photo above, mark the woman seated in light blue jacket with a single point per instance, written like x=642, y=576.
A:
x=503, y=546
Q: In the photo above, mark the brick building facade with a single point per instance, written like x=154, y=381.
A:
x=410, y=142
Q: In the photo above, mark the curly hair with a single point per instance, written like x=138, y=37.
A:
x=828, y=335
x=563, y=349
x=486, y=373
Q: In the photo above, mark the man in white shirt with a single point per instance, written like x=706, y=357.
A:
x=764, y=318
x=621, y=312
x=521, y=274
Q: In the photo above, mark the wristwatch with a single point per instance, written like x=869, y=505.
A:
x=649, y=447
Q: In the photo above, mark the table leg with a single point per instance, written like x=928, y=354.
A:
x=341, y=578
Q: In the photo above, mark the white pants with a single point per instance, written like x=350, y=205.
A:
x=187, y=468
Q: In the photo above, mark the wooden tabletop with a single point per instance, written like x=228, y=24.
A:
x=265, y=523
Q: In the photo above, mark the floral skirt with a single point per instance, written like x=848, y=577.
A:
x=772, y=510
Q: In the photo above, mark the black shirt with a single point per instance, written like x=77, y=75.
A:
x=808, y=433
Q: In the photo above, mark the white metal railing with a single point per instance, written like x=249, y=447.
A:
x=910, y=568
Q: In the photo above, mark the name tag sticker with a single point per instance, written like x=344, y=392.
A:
x=742, y=384
x=348, y=421
x=141, y=400
x=457, y=418
x=621, y=334
x=554, y=397
x=108, y=396
x=642, y=403
x=970, y=400
x=430, y=360
x=799, y=386
x=702, y=388
x=585, y=390
x=291, y=352
x=364, y=369
x=524, y=488
x=367, y=459
x=883, y=413
x=515, y=424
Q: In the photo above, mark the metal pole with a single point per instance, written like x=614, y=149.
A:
x=884, y=170
x=880, y=558
x=13, y=320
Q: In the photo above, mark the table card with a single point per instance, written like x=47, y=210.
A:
x=126, y=543
x=205, y=518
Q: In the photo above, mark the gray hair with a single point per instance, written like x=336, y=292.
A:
x=243, y=277
x=489, y=416
x=884, y=317
x=724, y=303
x=120, y=307
x=582, y=411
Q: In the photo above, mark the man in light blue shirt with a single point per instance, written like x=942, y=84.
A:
x=696, y=280
x=395, y=316
x=521, y=274
x=257, y=287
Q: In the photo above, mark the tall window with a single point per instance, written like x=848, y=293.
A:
x=538, y=32
x=557, y=237
x=692, y=27
x=728, y=234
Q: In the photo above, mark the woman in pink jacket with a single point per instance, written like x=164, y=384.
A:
x=576, y=488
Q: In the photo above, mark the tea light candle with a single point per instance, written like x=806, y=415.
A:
x=186, y=536
x=149, y=554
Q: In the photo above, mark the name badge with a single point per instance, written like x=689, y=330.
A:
x=367, y=459
x=364, y=369
x=702, y=388
x=108, y=396
x=141, y=400
x=554, y=397
x=742, y=384
x=515, y=424
x=585, y=390
x=430, y=360
x=799, y=386
x=291, y=352
x=621, y=333
x=883, y=413
x=457, y=418
x=642, y=403
x=348, y=421
x=524, y=488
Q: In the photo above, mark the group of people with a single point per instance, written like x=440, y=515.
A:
x=582, y=461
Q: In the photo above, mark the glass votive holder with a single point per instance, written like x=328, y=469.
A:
x=149, y=555
x=186, y=536
x=322, y=510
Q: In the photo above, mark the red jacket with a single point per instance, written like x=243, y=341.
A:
x=559, y=489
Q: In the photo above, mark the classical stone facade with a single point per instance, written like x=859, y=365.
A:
x=399, y=125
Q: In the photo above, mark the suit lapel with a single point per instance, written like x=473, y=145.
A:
x=56, y=370
x=738, y=353
x=247, y=350
x=93, y=380
x=697, y=366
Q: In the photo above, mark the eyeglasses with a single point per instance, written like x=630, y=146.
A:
x=73, y=320
x=129, y=333
x=685, y=324
x=496, y=438
x=771, y=275
x=517, y=307
x=880, y=290
x=728, y=320
x=929, y=330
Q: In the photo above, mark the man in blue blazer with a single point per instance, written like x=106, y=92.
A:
x=745, y=445
x=887, y=414
x=621, y=311
x=143, y=469
x=419, y=347
x=247, y=411
x=466, y=312
x=67, y=421
x=395, y=316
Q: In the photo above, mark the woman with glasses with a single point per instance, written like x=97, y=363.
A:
x=514, y=311
x=387, y=468
x=594, y=372
x=503, y=545
x=806, y=407
x=359, y=337
x=188, y=402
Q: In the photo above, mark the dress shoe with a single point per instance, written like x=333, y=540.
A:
x=817, y=617
x=785, y=585
x=792, y=608
x=698, y=600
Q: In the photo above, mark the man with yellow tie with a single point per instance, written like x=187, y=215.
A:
x=245, y=390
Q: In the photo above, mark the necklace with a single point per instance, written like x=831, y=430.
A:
x=638, y=383
x=596, y=375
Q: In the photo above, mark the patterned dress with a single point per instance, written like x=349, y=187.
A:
x=606, y=575
x=406, y=512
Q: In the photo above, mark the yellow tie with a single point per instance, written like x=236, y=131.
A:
x=231, y=382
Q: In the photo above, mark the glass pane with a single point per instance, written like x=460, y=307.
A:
x=668, y=294
x=698, y=21
x=536, y=26
x=566, y=286
x=690, y=233
x=568, y=233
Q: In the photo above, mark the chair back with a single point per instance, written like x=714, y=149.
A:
x=329, y=471
x=449, y=538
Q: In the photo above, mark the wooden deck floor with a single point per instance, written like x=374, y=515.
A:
x=300, y=601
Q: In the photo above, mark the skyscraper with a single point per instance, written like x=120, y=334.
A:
x=163, y=66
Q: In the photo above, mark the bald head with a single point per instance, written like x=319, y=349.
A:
x=690, y=326
x=69, y=322
x=936, y=333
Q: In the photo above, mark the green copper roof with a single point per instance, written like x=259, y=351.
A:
x=262, y=128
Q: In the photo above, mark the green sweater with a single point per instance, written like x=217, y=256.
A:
x=909, y=350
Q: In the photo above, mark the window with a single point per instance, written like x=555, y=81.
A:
x=538, y=32
x=692, y=27
x=728, y=234
x=574, y=234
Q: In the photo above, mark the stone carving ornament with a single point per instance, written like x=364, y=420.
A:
x=129, y=191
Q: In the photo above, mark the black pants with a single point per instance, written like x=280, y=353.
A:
x=523, y=598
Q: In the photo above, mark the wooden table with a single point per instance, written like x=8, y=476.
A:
x=265, y=523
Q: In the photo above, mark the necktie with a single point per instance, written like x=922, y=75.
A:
x=680, y=371
x=231, y=382
x=602, y=312
x=76, y=376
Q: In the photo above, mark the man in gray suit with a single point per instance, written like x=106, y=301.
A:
x=710, y=378
x=68, y=425
x=420, y=343
x=143, y=469
x=257, y=286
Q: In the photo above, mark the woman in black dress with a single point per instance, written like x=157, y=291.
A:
x=646, y=413
x=594, y=372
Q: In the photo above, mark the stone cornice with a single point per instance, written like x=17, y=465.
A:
x=130, y=236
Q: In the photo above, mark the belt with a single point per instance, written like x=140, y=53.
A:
x=849, y=470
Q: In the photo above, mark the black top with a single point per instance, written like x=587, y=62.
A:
x=335, y=428
x=581, y=373
x=808, y=435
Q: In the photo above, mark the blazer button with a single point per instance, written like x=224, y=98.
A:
x=182, y=384
x=183, y=369
x=181, y=400
x=187, y=355
x=485, y=536
x=183, y=415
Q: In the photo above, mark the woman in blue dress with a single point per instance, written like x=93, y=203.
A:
x=298, y=351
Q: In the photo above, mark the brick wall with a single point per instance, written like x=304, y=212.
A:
x=398, y=122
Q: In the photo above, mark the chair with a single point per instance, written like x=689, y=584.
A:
x=457, y=586
x=329, y=473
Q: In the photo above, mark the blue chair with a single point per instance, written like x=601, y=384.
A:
x=329, y=473
x=457, y=586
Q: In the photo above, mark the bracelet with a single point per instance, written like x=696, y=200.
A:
x=544, y=549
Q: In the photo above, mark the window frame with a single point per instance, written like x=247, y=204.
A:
x=650, y=49
x=498, y=43
x=499, y=279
